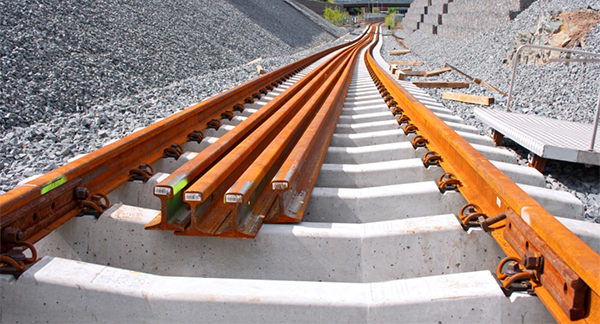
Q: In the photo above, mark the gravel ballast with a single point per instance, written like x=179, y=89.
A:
x=67, y=56
x=550, y=90
x=78, y=74
x=86, y=73
x=44, y=146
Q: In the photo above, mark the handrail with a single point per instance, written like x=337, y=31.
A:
x=550, y=48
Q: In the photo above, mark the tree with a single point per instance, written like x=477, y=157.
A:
x=335, y=16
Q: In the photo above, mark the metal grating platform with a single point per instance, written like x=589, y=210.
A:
x=546, y=137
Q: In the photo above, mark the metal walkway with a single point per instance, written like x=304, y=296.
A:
x=545, y=137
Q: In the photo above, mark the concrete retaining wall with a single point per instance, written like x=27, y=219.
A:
x=461, y=19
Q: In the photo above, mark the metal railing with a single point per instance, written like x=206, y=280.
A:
x=558, y=49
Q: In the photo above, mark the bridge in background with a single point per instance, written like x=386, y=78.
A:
x=374, y=4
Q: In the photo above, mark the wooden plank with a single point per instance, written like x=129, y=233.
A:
x=489, y=86
x=406, y=63
x=481, y=100
x=437, y=71
x=394, y=68
x=441, y=84
x=254, y=61
x=476, y=80
x=400, y=75
x=398, y=52
x=410, y=72
x=401, y=43
x=414, y=73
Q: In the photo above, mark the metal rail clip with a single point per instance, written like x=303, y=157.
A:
x=516, y=277
x=448, y=181
x=15, y=262
x=419, y=141
x=142, y=173
x=197, y=136
x=431, y=158
x=397, y=110
x=174, y=151
x=469, y=216
x=95, y=205
x=228, y=114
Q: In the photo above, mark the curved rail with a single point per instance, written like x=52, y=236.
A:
x=223, y=191
x=571, y=266
x=32, y=211
x=264, y=171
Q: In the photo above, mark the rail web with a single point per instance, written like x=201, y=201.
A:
x=297, y=145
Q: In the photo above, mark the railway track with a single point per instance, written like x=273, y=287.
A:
x=407, y=214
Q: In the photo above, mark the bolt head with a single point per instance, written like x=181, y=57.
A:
x=81, y=193
x=11, y=234
x=532, y=261
x=512, y=268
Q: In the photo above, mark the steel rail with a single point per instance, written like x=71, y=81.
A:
x=33, y=210
x=175, y=214
x=302, y=101
x=210, y=188
x=297, y=176
x=251, y=188
x=486, y=186
x=325, y=106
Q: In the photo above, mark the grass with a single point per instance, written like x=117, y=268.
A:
x=389, y=21
x=335, y=16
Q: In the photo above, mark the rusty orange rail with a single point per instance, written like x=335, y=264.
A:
x=202, y=198
x=32, y=211
x=265, y=169
x=569, y=281
x=255, y=182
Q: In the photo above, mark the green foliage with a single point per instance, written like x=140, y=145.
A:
x=389, y=21
x=335, y=16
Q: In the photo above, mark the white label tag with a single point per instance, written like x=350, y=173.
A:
x=193, y=197
x=162, y=191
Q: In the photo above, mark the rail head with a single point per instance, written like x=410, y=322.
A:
x=484, y=185
x=28, y=209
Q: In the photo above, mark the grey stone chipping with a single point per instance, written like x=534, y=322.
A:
x=78, y=74
x=550, y=90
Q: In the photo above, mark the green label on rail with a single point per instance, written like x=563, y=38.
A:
x=57, y=182
x=179, y=185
